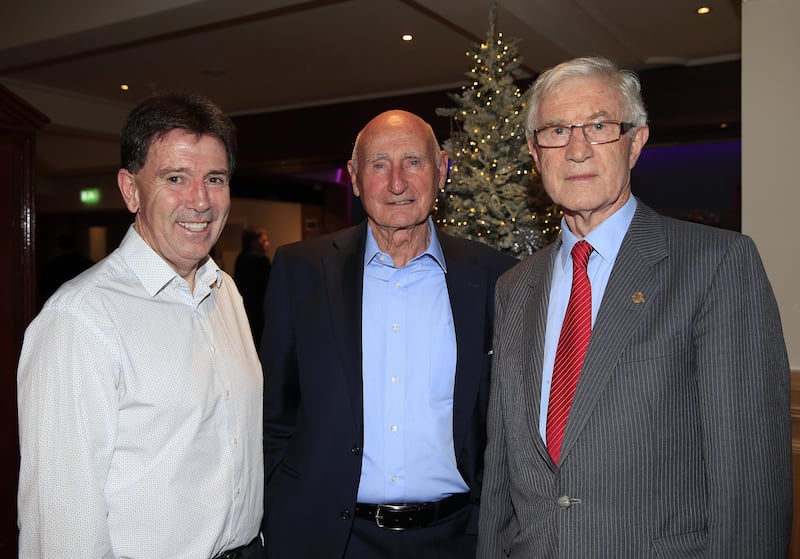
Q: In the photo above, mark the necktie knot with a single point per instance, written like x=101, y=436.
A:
x=580, y=255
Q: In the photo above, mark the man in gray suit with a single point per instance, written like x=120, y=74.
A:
x=677, y=441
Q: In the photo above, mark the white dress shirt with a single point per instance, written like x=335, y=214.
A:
x=139, y=415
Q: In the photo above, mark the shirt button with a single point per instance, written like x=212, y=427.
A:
x=395, y=378
x=393, y=479
x=237, y=491
x=235, y=440
x=227, y=393
x=393, y=428
x=395, y=327
x=212, y=349
x=564, y=502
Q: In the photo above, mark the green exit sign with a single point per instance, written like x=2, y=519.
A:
x=90, y=196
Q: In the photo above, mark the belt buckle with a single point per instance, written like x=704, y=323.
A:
x=392, y=508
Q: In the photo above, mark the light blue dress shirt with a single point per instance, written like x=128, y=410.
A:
x=409, y=363
x=606, y=240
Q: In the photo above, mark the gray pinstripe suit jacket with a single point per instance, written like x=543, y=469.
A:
x=678, y=443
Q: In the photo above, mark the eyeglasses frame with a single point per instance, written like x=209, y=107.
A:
x=624, y=128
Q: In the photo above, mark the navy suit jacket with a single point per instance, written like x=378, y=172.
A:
x=311, y=354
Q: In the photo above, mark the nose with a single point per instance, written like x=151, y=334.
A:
x=199, y=199
x=578, y=148
x=397, y=182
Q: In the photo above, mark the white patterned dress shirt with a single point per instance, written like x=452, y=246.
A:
x=139, y=415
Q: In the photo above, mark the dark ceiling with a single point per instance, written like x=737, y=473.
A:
x=302, y=77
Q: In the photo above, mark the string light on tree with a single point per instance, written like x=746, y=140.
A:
x=492, y=194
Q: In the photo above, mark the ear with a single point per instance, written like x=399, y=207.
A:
x=353, y=181
x=127, y=187
x=637, y=144
x=443, y=159
x=534, y=153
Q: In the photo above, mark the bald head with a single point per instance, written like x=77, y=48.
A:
x=396, y=120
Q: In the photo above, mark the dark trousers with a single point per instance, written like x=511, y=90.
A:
x=454, y=537
x=254, y=550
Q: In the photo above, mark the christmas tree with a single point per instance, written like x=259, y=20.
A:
x=493, y=194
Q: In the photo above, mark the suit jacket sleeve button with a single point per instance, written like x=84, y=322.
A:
x=356, y=450
x=344, y=515
x=564, y=502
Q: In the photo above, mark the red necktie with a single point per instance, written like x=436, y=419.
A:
x=571, y=351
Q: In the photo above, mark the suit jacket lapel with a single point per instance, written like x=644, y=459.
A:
x=467, y=289
x=534, y=318
x=632, y=286
x=344, y=279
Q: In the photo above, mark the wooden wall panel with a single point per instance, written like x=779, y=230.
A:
x=18, y=125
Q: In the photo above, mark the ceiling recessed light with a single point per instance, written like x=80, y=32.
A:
x=703, y=10
x=124, y=87
x=408, y=37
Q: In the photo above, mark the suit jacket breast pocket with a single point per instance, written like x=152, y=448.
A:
x=654, y=347
x=659, y=369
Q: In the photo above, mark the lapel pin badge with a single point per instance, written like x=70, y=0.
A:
x=637, y=297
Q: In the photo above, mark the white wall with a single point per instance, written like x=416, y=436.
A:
x=770, y=144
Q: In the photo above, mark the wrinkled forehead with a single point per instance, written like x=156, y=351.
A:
x=396, y=136
x=581, y=97
x=179, y=143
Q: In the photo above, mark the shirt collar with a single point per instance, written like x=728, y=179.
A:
x=606, y=238
x=154, y=272
x=433, y=251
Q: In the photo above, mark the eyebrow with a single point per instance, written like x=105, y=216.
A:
x=594, y=116
x=407, y=155
x=376, y=157
x=219, y=172
x=169, y=170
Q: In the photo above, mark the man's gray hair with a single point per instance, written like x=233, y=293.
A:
x=624, y=81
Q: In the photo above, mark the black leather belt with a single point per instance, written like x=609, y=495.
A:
x=412, y=515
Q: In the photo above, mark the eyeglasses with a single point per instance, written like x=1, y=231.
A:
x=597, y=132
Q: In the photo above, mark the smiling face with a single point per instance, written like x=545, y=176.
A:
x=398, y=171
x=589, y=182
x=181, y=198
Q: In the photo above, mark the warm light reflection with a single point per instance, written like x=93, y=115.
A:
x=703, y=10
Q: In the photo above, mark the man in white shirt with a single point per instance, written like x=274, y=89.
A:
x=139, y=386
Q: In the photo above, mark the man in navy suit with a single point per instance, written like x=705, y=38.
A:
x=376, y=357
